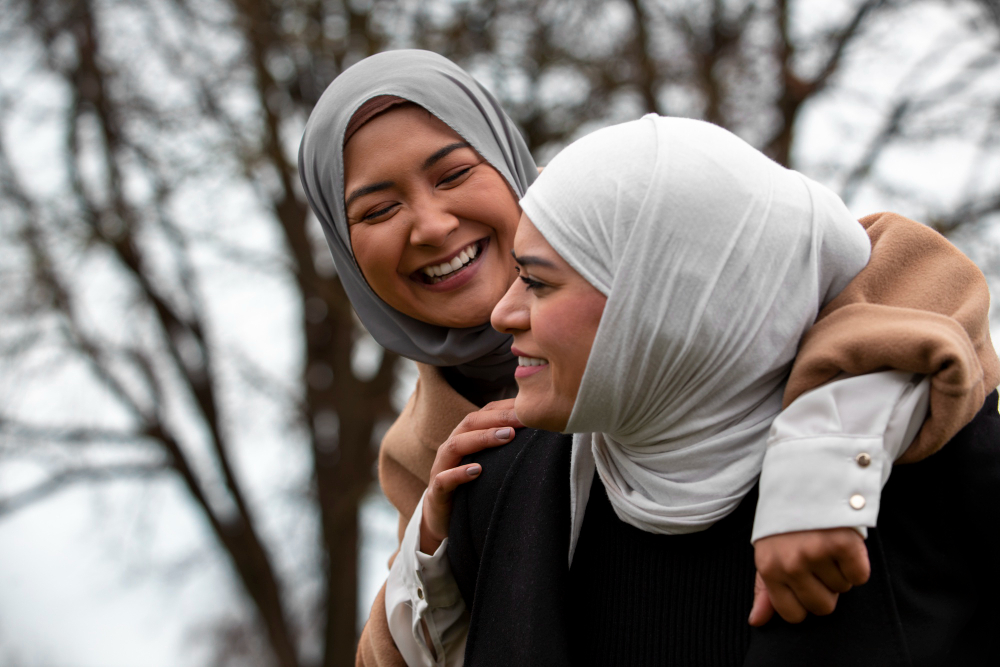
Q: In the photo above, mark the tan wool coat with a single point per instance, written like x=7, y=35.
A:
x=919, y=305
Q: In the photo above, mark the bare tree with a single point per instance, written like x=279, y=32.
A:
x=122, y=173
x=147, y=150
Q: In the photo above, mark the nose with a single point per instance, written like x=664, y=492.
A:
x=432, y=223
x=512, y=315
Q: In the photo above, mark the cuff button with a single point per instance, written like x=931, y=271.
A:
x=857, y=501
x=863, y=459
x=420, y=591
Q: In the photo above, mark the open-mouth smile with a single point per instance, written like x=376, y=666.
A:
x=529, y=366
x=445, y=273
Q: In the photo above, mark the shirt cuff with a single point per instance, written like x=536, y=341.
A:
x=433, y=575
x=427, y=578
x=422, y=592
x=820, y=482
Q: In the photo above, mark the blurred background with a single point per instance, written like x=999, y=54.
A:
x=189, y=410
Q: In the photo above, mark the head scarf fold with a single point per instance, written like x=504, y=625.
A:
x=448, y=92
x=715, y=261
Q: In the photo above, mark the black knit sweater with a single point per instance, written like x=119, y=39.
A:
x=642, y=599
x=633, y=598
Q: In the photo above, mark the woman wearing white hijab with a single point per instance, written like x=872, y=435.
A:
x=662, y=299
x=714, y=261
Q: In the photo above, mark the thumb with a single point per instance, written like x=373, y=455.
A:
x=857, y=567
x=762, y=610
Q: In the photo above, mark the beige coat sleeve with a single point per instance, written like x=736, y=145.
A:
x=920, y=305
x=405, y=460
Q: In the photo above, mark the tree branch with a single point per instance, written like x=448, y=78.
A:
x=63, y=479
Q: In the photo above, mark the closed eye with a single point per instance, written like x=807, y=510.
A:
x=454, y=177
x=530, y=284
x=379, y=213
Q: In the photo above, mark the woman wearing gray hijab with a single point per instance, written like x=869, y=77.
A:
x=460, y=102
x=451, y=140
x=422, y=284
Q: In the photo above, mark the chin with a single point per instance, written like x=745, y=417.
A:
x=457, y=313
x=462, y=312
x=536, y=414
x=459, y=321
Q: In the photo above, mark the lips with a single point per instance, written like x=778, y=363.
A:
x=437, y=272
x=527, y=371
x=451, y=270
x=527, y=366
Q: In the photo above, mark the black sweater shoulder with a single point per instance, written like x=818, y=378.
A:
x=508, y=545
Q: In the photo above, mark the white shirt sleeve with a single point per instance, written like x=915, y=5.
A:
x=831, y=451
x=421, y=592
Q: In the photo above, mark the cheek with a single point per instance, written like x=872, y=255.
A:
x=567, y=332
x=490, y=201
x=589, y=321
x=376, y=250
x=364, y=245
x=504, y=224
x=571, y=331
x=506, y=272
x=506, y=227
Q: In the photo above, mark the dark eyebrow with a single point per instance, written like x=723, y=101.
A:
x=429, y=162
x=367, y=190
x=528, y=260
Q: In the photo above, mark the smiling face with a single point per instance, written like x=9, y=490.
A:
x=553, y=314
x=431, y=222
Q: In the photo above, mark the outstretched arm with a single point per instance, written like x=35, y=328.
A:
x=919, y=306
x=828, y=456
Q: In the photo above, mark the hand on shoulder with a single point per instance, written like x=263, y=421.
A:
x=491, y=426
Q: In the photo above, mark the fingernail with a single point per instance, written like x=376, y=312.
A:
x=503, y=433
x=473, y=470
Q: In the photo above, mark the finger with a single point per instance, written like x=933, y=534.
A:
x=813, y=596
x=856, y=567
x=455, y=448
x=762, y=610
x=444, y=483
x=786, y=604
x=437, y=504
x=492, y=418
x=830, y=575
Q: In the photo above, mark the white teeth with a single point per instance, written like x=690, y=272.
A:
x=531, y=361
x=461, y=259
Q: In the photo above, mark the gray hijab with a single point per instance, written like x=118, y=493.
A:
x=458, y=100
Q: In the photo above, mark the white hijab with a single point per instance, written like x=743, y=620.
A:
x=715, y=261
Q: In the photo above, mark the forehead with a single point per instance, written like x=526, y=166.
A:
x=523, y=235
x=393, y=135
x=529, y=241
